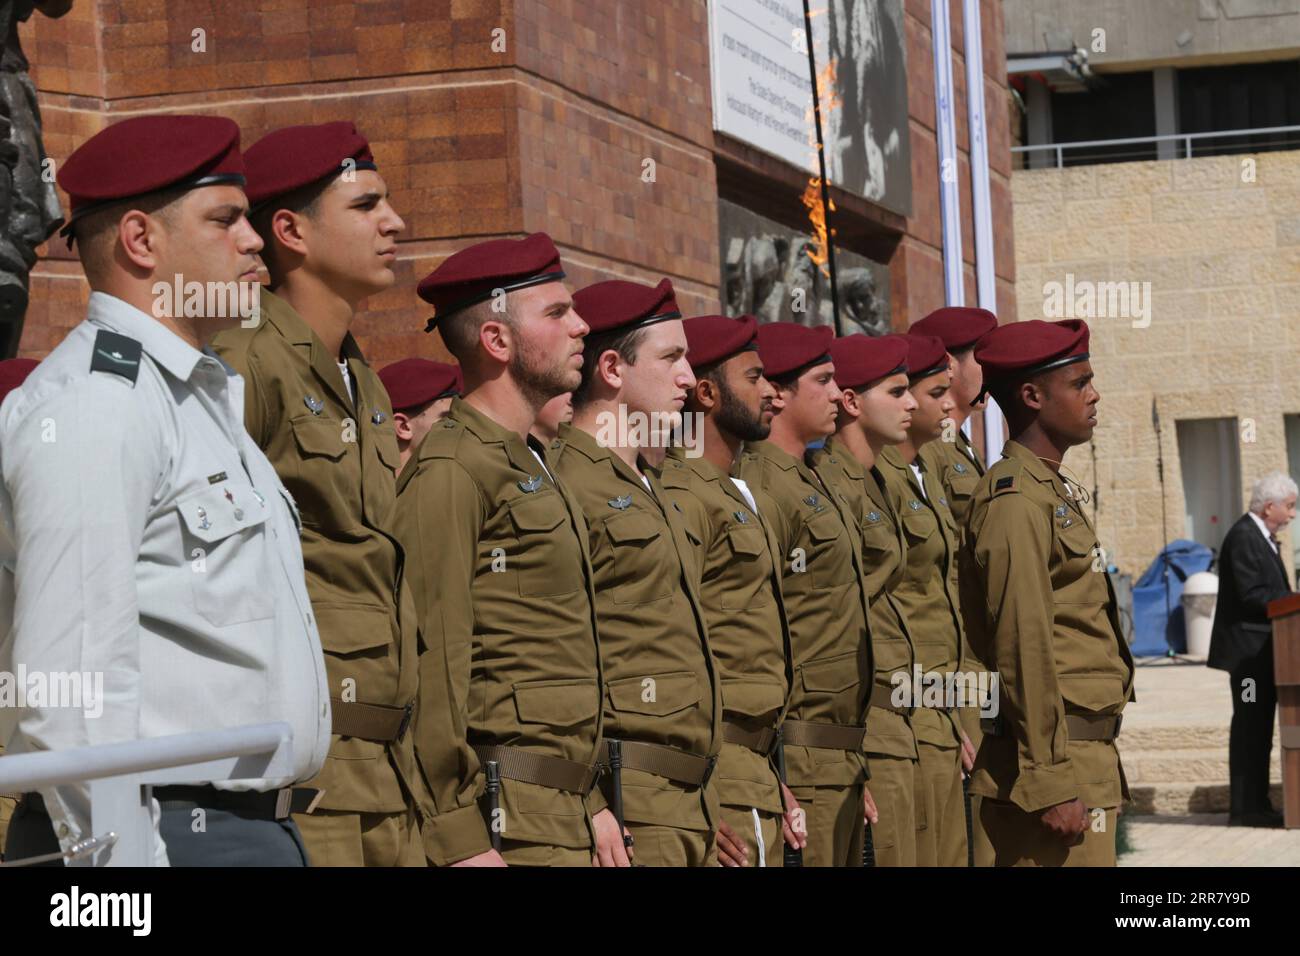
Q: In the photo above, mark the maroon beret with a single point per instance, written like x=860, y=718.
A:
x=958, y=327
x=925, y=355
x=472, y=275
x=620, y=306
x=863, y=359
x=13, y=372
x=787, y=347
x=297, y=156
x=146, y=154
x=712, y=338
x=415, y=381
x=1019, y=349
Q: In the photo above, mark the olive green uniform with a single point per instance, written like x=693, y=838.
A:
x=338, y=459
x=890, y=741
x=1065, y=671
x=826, y=611
x=662, y=693
x=959, y=467
x=497, y=552
x=927, y=595
x=740, y=590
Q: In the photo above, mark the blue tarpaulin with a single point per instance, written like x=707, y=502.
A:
x=1154, y=633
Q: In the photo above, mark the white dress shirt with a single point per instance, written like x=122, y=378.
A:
x=151, y=542
x=1263, y=529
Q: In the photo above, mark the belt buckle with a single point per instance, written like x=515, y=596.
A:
x=407, y=713
x=710, y=763
x=283, y=802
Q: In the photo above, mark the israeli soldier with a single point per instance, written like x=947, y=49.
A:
x=1048, y=770
x=420, y=391
x=928, y=596
x=959, y=466
x=323, y=418
x=825, y=597
x=662, y=694
x=498, y=553
x=740, y=584
x=148, y=538
x=875, y=410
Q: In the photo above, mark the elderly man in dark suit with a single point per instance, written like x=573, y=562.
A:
x=1251, y=574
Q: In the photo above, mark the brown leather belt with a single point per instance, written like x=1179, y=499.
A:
x=253, y=804
x=807, y=733
x=882, y=697
x=680, y=766
x=1077, y=726
x=761, y=742
x=378, y=722
x=528, y=766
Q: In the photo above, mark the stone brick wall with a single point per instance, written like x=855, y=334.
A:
x=552, y=133
x=1223, y=259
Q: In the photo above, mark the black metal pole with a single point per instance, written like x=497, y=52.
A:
x=1164, y=528
x=821, y=161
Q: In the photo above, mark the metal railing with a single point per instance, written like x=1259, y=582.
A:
x=1187, y=139
x=121, y=778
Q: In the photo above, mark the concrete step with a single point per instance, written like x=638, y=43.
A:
x=1181, y=799
x=1184, y=766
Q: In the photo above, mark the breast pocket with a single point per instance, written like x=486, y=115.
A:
x=962, y=486
x=543, y=564
x=1081, y=579
x=830, y=556
x=643, y=567
x=229, y=561
x=752, y=569
x=321, y=482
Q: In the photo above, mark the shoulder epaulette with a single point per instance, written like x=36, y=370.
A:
x=1006, y=479
x=441, y=441
x=117, y=355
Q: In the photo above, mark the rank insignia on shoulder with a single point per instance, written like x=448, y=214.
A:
x=532, y=484
x=116, y=354
x=959, y=468
x=621, y=503
x=740, y=516
x=1005, y=484
x=873, y=515
x=217, y=478
x=378, y=417
x=914, y=505
x=314, y=405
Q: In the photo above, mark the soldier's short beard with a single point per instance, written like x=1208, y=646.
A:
x=735, y=418
x=539, y=378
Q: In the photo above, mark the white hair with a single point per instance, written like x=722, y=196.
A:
x=1276, y=486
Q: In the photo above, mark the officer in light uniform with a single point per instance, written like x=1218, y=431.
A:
x=504, y=584
x=825, y=598
x=421, y=392
x=1048, y=770
x=875, y=411
x=662, y=701
x=322, y=417
x=150, y=540
x=959, y=466
x=740, y=585
x=927, y=594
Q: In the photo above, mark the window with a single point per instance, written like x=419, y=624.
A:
x=1208, y=455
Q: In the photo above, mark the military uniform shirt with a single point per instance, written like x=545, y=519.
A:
x=151, y=541
x=1053, y=636
x=498, y=556
x=661, y=685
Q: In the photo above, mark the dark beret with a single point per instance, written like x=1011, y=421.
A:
x=415, y=381
x=476, y=272
x=1019, y=349
x=712, y=338
x=147, y=154
x=620, y=306
x=861, y=359
x=296, y=156
x=926, y=355
x=788, y=348
x=959, y=327
x=13, y=372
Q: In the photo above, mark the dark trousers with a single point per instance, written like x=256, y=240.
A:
x=211, y=837
x=1250, y=743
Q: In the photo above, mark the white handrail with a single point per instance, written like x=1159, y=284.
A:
x=1167, y=137
x=119, y=775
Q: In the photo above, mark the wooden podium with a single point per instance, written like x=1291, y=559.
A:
x=1285, y=615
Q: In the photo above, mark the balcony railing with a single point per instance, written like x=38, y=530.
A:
x=1190, y=144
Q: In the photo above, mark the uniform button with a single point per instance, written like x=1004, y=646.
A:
x=239, y=514
x=63, y=830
